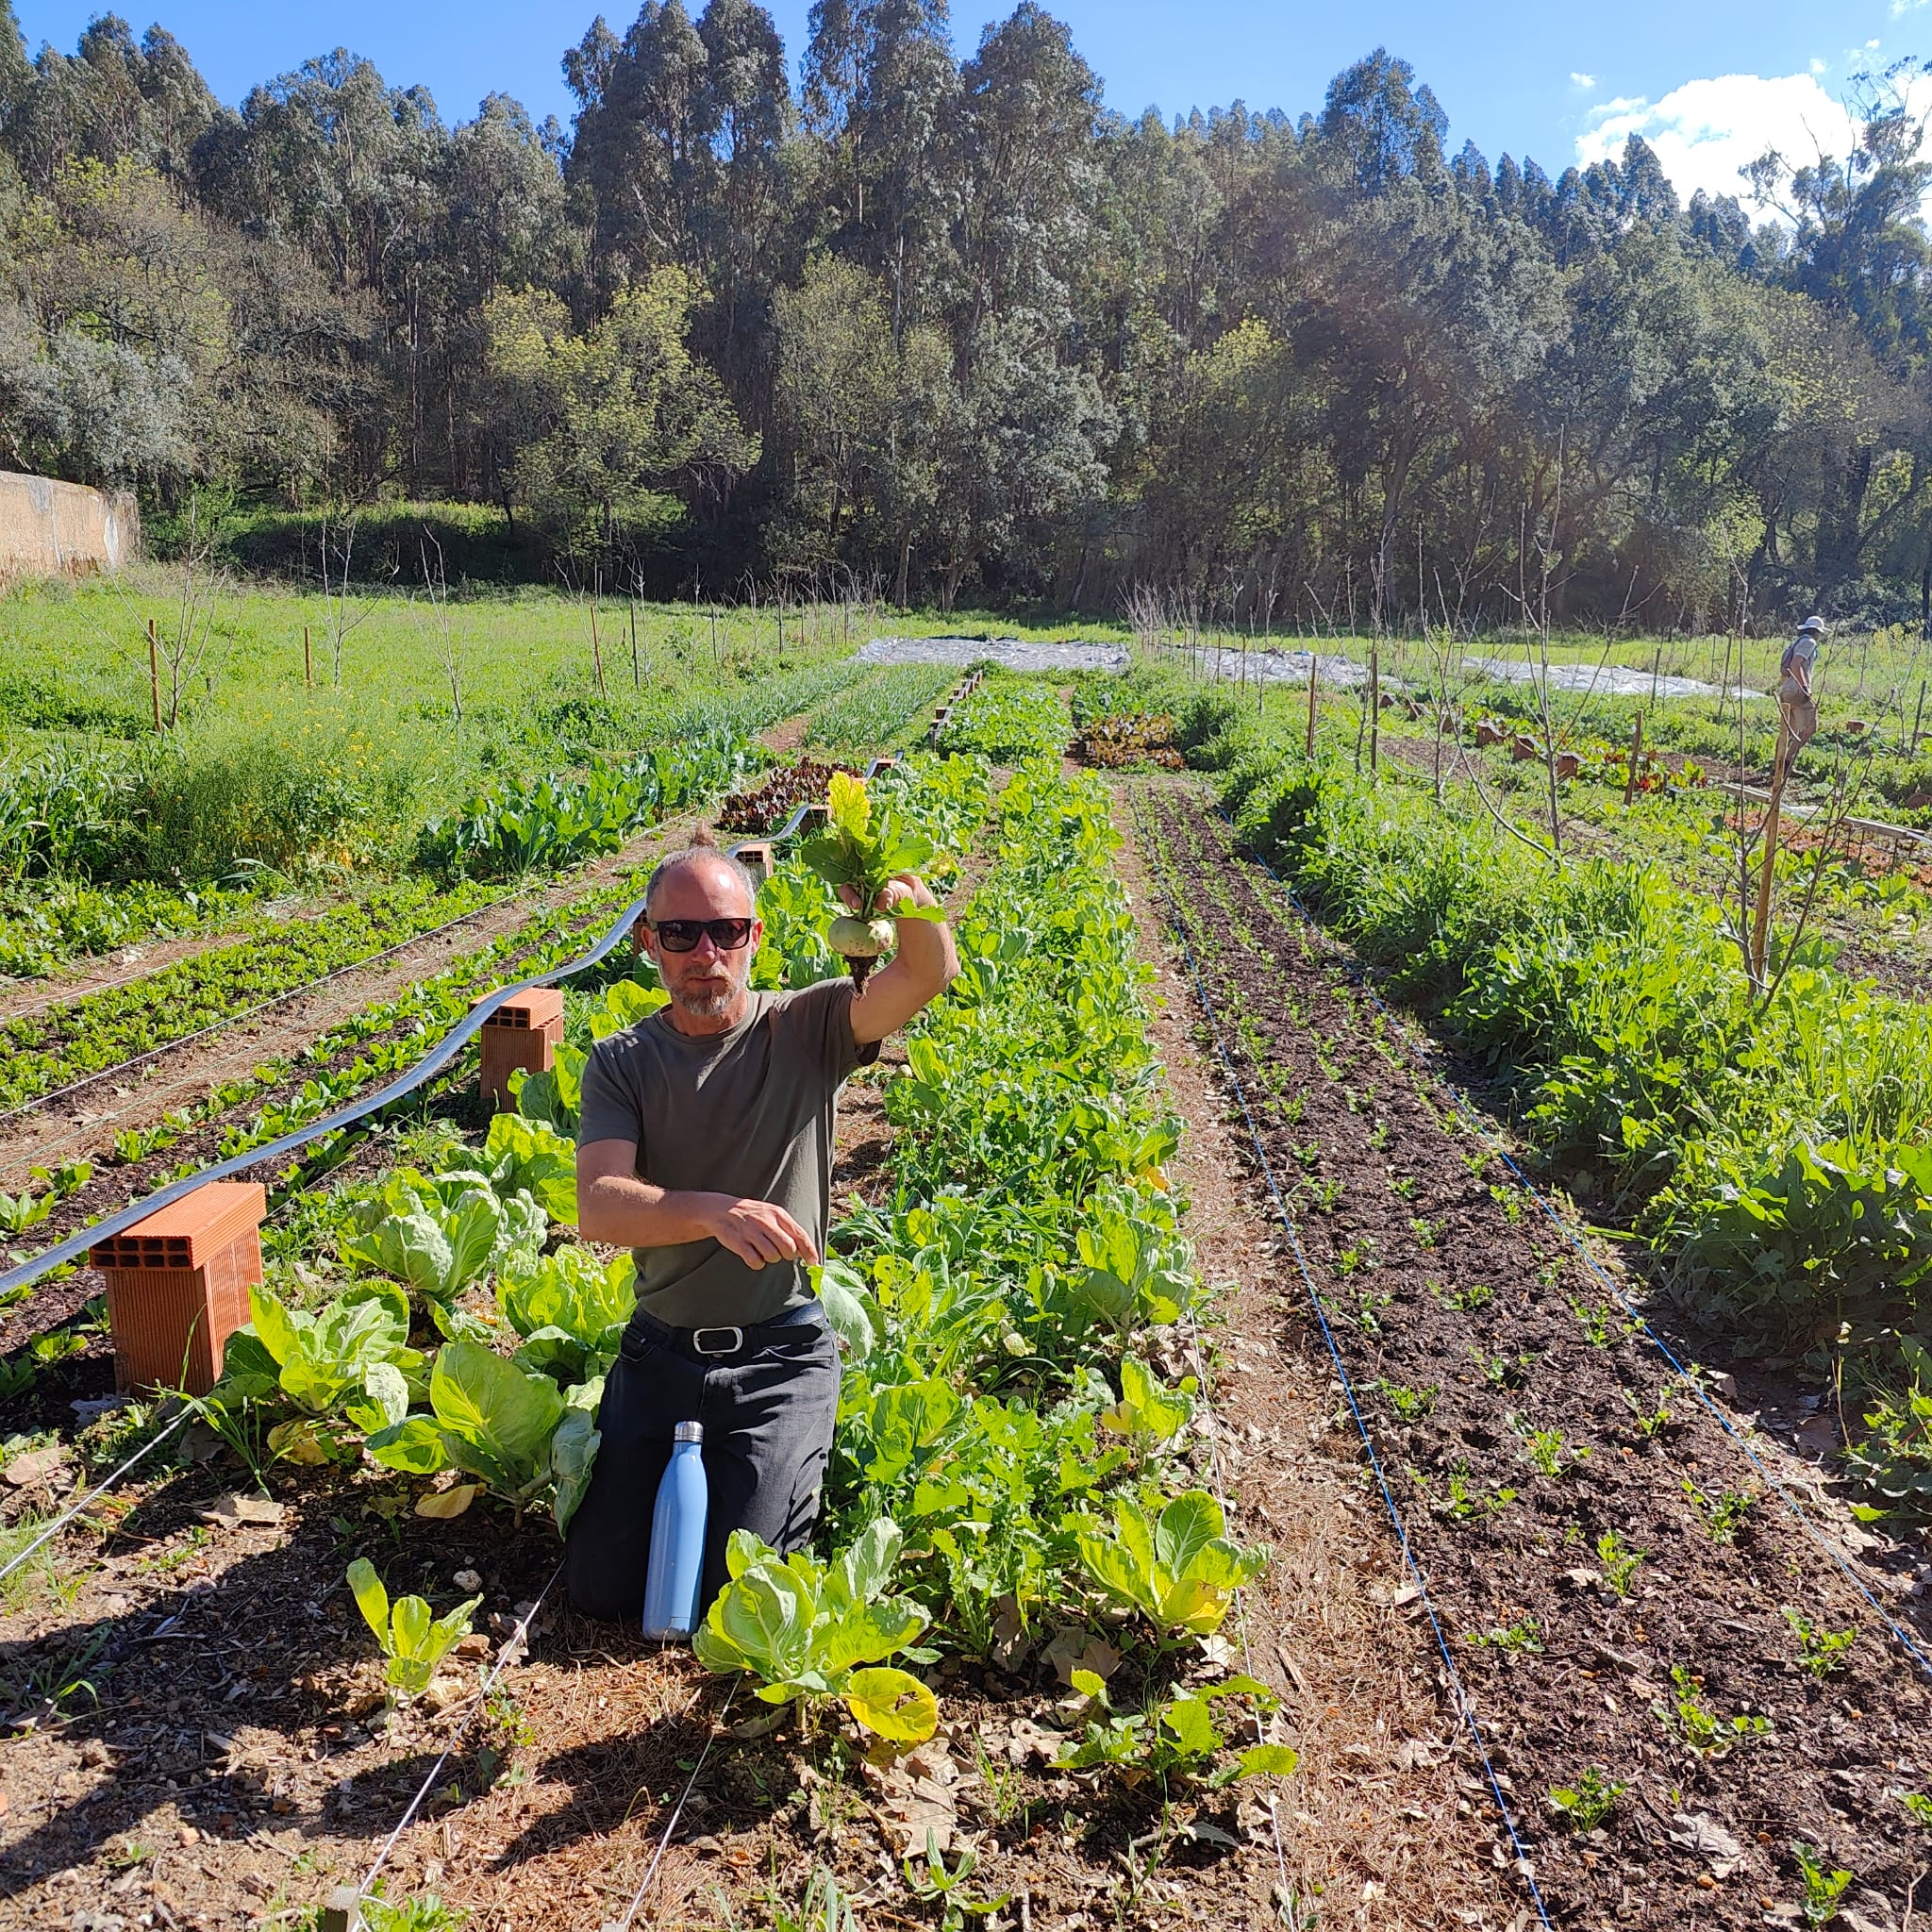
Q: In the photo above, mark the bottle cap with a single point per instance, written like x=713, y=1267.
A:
x=687, y=1432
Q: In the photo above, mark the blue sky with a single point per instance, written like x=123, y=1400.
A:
x=1708, y=81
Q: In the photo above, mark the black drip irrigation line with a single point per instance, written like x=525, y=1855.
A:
x=1464, y=1705
x=432, y=1063
x=1472, y=1118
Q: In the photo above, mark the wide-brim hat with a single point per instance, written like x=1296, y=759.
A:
x=1812, y=624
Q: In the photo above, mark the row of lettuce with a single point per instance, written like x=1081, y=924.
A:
x=1009, y=1458
x=1768, y=1149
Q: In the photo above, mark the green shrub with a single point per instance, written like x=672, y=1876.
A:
x=1206, y=715
x=1773, y=1152
x=299, y=794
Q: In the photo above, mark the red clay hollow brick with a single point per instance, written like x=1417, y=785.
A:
x=178, y=1286
x=524, y=1033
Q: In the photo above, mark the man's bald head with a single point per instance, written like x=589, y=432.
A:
x=717, y=867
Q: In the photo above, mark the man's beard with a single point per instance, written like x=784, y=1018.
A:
x=705, y=1006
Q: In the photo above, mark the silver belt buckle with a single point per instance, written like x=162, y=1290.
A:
x=732, y=1348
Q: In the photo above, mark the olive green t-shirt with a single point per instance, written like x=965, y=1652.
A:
x=748, y=1112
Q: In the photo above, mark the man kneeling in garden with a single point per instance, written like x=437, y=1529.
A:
x=705, y=1146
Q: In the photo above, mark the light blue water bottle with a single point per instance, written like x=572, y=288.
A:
x=678, y=1539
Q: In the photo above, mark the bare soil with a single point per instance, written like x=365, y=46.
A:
x=1376, y=1823
x=1477, y=1344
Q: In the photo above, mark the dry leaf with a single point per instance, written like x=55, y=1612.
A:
x=916, y=1797
x=239, y=1508
x=1701, y=1833
x=443, y=1504
x=41, y=1466
x=1074, y=1649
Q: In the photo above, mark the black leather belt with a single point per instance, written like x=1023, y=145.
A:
x=723, y=1340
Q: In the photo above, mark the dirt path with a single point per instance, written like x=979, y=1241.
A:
x=1536, y=1448
x=1375, y=1822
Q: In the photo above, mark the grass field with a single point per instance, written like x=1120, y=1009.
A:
x=309, y=738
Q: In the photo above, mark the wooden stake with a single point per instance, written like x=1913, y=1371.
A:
x=1918, y=714
x=1375, y=705
x=1636, y=758
x=307, y=661
x=1313, y=662
x=153, y=672
x=636, y=682
x=596, y=645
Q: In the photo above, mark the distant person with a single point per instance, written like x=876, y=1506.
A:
x=1797, y=707
x=705, y=1146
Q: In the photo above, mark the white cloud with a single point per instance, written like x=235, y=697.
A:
x=1583, y=80
x=1705, y=131
x=1900, y=8
x=1818, y=66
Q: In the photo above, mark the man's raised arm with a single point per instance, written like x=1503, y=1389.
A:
x=918, y=972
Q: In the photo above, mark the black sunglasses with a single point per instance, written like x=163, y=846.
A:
x=682, y=935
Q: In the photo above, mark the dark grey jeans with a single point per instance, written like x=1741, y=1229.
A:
x=768, y=1413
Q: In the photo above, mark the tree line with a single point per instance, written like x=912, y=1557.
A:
x=950, y=327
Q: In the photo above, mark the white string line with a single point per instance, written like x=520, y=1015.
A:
x=1464, y=1704
x=677, y=1810
x=73, y=1511
x=1465, y=1111
x=511, y=1646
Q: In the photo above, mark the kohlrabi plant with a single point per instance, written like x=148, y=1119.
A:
x=1177, y=1568
x=412, y=1641
x=492, y=1420
x=351, y=1358
x=809, y=1630
x=1177, y=1737
x=865, y=849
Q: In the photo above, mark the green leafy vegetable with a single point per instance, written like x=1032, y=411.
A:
x=569, y=1309
x=1177, y=1568
x=804, y=1628
x=412, y=1641
x=354, y=1353
x=489, y=1418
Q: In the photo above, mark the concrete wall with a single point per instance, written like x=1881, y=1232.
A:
x=62, y=529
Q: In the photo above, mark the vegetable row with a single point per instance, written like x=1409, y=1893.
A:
x=1014, y=1449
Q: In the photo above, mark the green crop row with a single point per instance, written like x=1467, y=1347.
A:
x=44, y=1050
x=393, y=1034
x=1010, y=718
x=1015, y=1446
x=883, y=711
x=1771, y=1149
x=557, y=819
x=554, y=824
